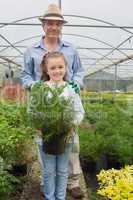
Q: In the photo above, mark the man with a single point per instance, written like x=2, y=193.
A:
x=52, y=23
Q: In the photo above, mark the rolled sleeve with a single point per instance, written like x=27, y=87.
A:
x=78, y=71
x=27, y=73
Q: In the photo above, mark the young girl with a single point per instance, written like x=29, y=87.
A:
x=54, y=72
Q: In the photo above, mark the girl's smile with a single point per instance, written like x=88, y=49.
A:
x=56, y=69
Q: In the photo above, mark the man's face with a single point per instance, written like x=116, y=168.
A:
x=52, y=28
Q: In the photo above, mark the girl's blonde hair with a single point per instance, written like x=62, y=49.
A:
x=43, y=66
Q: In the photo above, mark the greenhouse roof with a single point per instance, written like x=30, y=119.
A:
x=101, y=31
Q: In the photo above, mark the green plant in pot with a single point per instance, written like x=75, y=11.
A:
x=53, y=114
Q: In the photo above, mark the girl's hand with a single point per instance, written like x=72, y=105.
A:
x=39, y=132
x=71, y=131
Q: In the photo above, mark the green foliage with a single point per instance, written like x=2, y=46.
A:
x=116, y=184
x=113, y=132
x=91, y=144
x=107, y=97
x=50, y=112
x=14, y=133
x=6, y=180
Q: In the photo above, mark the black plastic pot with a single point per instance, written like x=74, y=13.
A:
x=19, y=170
x=55, y=146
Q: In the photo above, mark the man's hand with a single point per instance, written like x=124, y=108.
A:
x=33, y=83
x=75, y=86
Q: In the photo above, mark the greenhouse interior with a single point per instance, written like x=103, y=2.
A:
x=100, y=34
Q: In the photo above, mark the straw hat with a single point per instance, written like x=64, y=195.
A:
x=52, y=13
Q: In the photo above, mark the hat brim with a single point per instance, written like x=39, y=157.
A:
x=42, y=19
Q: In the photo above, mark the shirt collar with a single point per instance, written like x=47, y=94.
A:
x=41, y=43
x=63, y=43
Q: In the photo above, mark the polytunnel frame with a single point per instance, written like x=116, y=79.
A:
x=112, y=25
x=78, y=35
x=84, y=17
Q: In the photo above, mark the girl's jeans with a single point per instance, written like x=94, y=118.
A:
x=55, y=173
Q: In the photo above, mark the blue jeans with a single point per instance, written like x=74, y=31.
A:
x=55, y=173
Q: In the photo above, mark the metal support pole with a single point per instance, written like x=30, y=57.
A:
x=60, y=4
x=115, y=84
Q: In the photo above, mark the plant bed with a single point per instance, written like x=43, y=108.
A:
x=29, y=191
x=89, y=171
x=14, y=135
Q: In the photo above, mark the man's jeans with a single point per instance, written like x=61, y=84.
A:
x=55, y=173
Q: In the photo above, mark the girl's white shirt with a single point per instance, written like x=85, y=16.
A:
x=67, y=93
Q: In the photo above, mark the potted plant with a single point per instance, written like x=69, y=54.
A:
x=53, y=114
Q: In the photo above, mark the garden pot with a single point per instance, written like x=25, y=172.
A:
x=55, y=145
x=113, y=162
x=101, y=162
x=19, y=170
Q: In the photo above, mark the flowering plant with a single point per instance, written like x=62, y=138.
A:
x=116, y=184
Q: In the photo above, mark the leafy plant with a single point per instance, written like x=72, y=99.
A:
x=14, y=132
x=6, y=180
x=14, y=136
x=91, y=144
x=116, y=184
x=49, y=111
x=112, y=135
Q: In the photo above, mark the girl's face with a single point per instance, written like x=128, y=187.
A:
x=56, y=69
